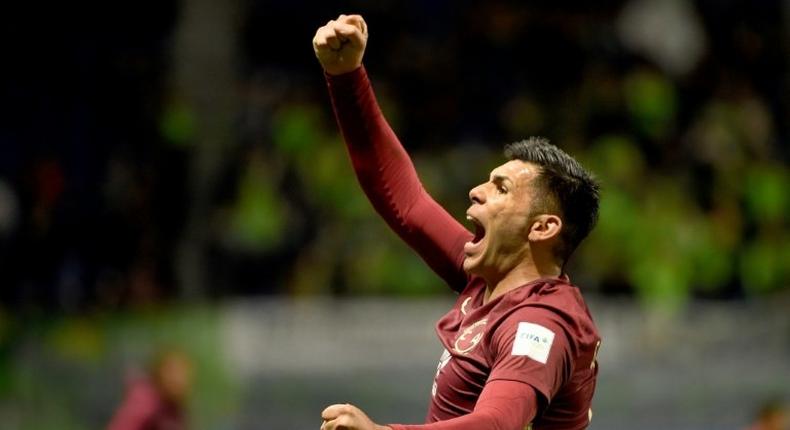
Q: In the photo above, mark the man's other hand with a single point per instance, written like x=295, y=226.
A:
x=340, y=44
x=347, y=417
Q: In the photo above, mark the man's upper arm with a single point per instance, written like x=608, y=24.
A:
x=515, y=401
x=531, y=346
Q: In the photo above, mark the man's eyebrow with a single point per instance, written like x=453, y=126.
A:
x=500, y=178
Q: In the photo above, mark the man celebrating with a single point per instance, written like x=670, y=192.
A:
x=520, y=344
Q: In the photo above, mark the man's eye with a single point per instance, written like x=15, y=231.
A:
x=501, y=189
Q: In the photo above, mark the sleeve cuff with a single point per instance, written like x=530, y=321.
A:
x=347, y=79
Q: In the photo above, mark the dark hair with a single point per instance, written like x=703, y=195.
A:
x=570, y=191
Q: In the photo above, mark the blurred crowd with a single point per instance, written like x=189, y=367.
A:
x=679, y=106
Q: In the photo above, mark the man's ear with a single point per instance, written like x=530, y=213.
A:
x=545, y=227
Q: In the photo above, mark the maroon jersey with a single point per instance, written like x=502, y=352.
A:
x=540, y=334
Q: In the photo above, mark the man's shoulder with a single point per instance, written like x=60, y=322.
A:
x=556, y=303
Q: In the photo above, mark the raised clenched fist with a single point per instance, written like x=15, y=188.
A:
x=340, y=44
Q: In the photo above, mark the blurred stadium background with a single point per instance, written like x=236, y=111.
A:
x=170, y=175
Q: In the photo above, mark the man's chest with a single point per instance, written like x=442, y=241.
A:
x=464, y=366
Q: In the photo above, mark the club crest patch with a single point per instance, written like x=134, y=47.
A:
x=463, y=305
x=470, y=337
x=533, y=341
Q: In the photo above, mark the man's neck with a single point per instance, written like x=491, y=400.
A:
x=520, y=275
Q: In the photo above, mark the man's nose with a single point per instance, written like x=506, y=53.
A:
x=476, y=195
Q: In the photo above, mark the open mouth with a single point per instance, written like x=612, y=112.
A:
x=480, y=231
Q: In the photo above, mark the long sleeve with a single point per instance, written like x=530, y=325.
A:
x=503, y=405
x=388, y=178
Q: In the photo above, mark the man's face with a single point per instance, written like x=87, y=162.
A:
x=500, y=212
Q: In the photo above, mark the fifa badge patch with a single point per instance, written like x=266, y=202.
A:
x=534, y=341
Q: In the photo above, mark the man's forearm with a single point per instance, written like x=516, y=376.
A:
x=490, y=419
x=387, y=175
x=380, y=161
x=503, y=405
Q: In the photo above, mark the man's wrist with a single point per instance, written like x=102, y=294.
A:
x=347, y=79
x=336, y=74
x=342, y=71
